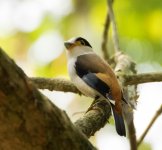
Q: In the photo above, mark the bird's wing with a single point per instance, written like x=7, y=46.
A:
x=94, y=72
x=92, y=62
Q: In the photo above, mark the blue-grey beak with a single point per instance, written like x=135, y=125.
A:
x=68, y=44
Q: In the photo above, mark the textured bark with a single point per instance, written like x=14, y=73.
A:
x=57, y=84
x=143, y=78
x=28, y=120
x=96, y=117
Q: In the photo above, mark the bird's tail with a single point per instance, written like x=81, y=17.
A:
x=119, y=122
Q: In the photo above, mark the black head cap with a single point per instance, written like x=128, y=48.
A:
x=83, y=41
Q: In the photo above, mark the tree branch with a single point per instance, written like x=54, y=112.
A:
x=60, y=84
x=105, y=39
x=114, y=28
x=143, y=78
x=55, y=84
x=28, y=119
x=157, y=114
x=95, y=118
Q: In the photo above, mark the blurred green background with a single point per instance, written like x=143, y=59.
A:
x=32, y=32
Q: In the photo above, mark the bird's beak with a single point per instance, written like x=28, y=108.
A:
x=69, y=45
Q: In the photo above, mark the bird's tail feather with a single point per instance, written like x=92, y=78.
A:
x=119, y=122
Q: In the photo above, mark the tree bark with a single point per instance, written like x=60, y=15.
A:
x=28, y=120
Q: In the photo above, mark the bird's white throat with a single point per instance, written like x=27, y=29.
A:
x=79, y=50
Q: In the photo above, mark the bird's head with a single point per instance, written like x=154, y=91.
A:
x=74, y=42
x=77, y=46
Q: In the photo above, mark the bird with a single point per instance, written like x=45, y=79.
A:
x=94, y=77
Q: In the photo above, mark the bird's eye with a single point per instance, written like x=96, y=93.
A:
x=82, y=42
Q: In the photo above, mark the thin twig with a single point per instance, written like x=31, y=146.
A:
x=157, y=114
x=105, y=39
x=114, y=28
x=132, y=137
